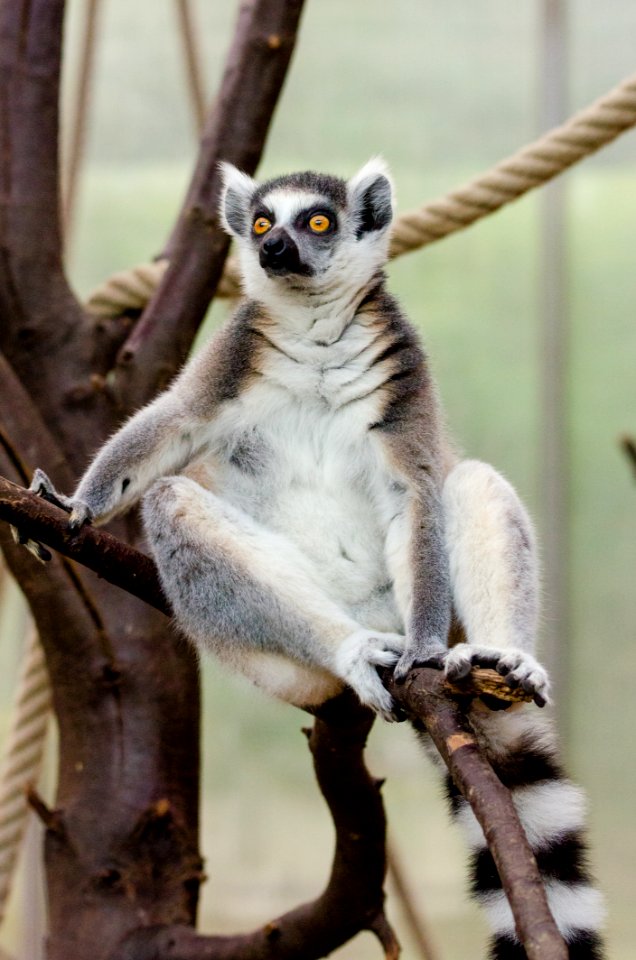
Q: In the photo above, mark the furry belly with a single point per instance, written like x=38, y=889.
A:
x=341, y=536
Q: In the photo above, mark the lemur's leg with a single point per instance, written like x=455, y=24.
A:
x=251, y=595
x=494, y=576
x=494, y=573
x=520, y=744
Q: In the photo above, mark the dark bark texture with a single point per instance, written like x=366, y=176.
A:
x=122, y=849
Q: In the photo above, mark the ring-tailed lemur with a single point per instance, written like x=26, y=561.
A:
x=310, y=519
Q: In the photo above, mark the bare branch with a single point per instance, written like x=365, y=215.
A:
x=98, y=550
x=353, y=898
x=629, y=448
x=235, y=131
x=24, y=436
x=424, y=698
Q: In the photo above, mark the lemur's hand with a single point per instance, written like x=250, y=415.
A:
x=79, y=511
x=518, y=668
x=357, y=660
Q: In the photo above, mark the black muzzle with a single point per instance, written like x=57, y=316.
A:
x=279, y=254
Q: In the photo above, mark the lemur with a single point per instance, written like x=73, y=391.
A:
x=311, y=520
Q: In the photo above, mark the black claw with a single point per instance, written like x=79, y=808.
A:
x=538, y=699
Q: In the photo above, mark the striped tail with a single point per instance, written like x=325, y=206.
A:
x=521, y=747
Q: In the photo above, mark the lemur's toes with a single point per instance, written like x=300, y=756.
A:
x=431, y=654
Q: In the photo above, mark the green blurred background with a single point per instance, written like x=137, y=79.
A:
x=442, y=91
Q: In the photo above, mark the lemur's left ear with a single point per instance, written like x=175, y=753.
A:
x=370, y=193
x=235, y=198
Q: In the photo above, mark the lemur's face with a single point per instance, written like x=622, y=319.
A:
x=308, y=231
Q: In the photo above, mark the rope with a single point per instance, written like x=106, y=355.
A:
x=533, y=165
x=132, y=289
x=22, y=758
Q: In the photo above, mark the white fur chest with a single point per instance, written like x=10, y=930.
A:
x=294, y=451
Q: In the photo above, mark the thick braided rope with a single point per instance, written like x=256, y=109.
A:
x=533, y=165
x=132, y=289
x=22, y=758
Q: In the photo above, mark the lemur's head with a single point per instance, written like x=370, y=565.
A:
x=309, y=231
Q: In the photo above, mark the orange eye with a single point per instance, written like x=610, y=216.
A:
x=319, y=223
x=262, y=225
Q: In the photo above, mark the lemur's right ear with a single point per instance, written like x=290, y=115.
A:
x=235, y=198
x=370, y=193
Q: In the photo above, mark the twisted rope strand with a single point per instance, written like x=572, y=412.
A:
x=533, y=165
x=22, y=760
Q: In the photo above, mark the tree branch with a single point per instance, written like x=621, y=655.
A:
x=353, y=898
x=235, y=131
x=96, y=549
x=424, y=697
x=629, y=448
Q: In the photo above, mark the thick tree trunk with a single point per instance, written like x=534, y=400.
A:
x=122, y=843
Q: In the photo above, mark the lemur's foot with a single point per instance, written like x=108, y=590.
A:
x=518, y=668
x=430, y=654
x=357, y=661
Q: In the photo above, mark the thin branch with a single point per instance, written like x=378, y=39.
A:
x=628, y=445
x=83, y=91
x=96, y=549
x=414, y=918
x=424, y=697
x=235, y=131
x=192, y=61
x=24, y=435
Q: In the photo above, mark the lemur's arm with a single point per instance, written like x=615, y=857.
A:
x=419, y=566
x=159, y=439
x=419, y=455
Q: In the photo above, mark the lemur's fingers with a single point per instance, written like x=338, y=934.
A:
x=356, y=663
x=517, y=667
